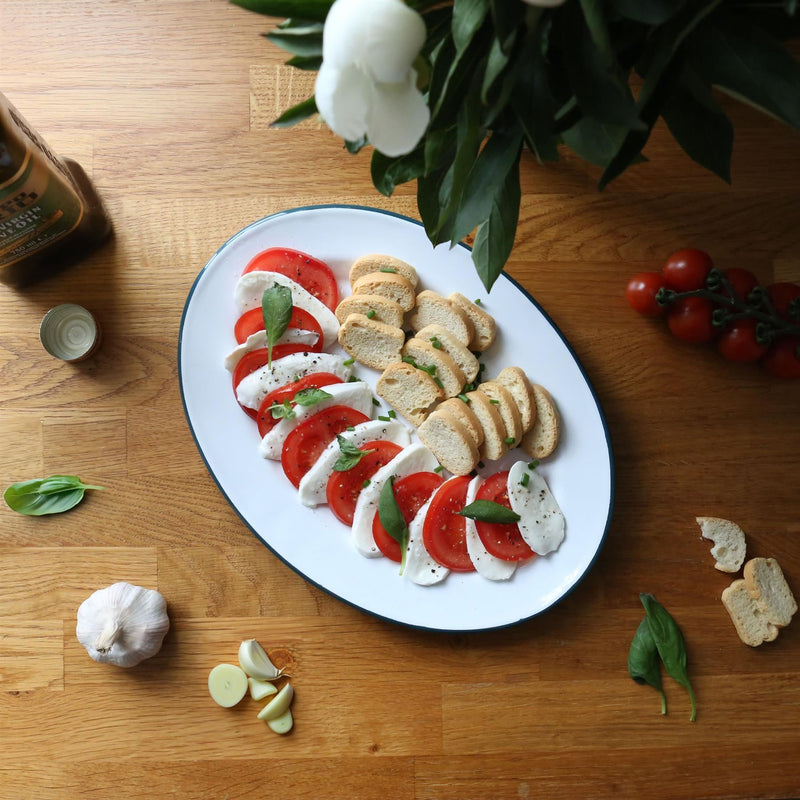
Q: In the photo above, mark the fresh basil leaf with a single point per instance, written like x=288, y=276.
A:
x=311, y=396
x=276, y=306
x=496, y=62
x=388, y=172
x=596, y=142
x=670, y=644
x=296, y=114
x=392, y=519
x=644, y=665
x=349, y=455
x=51, y=495
x=298, y=43
x=468, y=16
x=315, y=10
x=489, y=511
x=310, y=63
x=283, y=410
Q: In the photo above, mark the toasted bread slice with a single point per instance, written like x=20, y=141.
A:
x=500, y=397
x=431, y=308
x=374, y=306
x=768, y=587
x=729, y=542
x=494, y=431
x=378, y=262
x=516, y=381
x=372, y=343
x=466, y=416
x=483, y=324
x=447, y=372
x=542, y=439
x=410, y=391
x=444, y=435
x=439, y=335
x=387, y=284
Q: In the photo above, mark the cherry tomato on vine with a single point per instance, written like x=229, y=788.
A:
x=738, y=342
x=781, y=295
x=687, y=270
x=782, y=360
x=641, y=293
x=689, y=319
x=742, y=282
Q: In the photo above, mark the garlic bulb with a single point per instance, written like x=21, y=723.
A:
x=122, y=624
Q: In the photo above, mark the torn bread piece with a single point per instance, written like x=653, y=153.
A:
x=374, y=306
x=390, y=285
x=410, y=391
x=379, y=262
x=483, y=324
x=372, y=343
x=434, y=309
x=729, y=542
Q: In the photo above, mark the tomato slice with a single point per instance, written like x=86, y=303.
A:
x=444, y=530
x=411, y=493
x=344, y=488
x=503, y=541
x=252, y=321
x=305, y=443
x=313, y=275
x=316, y=380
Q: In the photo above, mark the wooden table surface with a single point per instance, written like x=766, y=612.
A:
x=167, y=104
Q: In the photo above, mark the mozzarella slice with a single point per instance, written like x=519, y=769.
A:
x=541, y=521
x=414, y=458
x=356, y=395
x=314, y=483
x=253, y=388
x=487, y=565
x=258, y=340
x=250, y=289
x=420, y=566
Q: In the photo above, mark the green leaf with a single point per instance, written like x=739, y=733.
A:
x=276, y=307
x=495, y=64
x=310, y=63
x=284, y=410
x=296, y=114
x=428, y=205
x=494, y=239
x=489, y=511
x=42, y=496
x=644, y=664
x=392, y=519
x=311, y=396
x=595, y=16
x=747, y=63
x=508, y=18
x=594, y=141
x=468, y=16
x=300, y=42
x=349, y=455
x=699, y=125
x=650, y=12
x=314, y=10
x=388, y=172
x=356, y=147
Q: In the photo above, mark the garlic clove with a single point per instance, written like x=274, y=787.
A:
x=255, y=661
x=278, y=705
x=227, y=684
x=260, y=689
x=282, y=724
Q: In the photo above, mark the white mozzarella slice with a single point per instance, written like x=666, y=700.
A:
x=313, y=484
x=414, y=458
x=541, y=521
x=250, y=289
x=253, y=388
x=487, y=565
x=420, y=566
x=258, y=340
x=356, y=395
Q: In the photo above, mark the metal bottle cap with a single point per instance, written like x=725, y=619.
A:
x=69, y=332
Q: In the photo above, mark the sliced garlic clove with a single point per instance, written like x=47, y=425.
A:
x=255, y=661
x=260, y=689
x=227, y=684
x=278, y=705
x=283, y=723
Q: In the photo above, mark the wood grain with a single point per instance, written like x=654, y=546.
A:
x=168, y=104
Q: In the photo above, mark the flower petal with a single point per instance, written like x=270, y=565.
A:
x=345, y=33
x=395, y=35
x=397, y=117
x=343, y=99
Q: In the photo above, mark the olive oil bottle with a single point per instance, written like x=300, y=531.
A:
x=50, y=214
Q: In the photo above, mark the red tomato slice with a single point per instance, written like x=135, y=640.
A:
x=344, y=488
x=305, y=443
x=252, y=321
x=313, y=275
x=411, y=493
x=502, y=541
x=266, y=422
x=444, y=530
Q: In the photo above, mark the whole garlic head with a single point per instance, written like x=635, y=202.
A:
x=122, y=624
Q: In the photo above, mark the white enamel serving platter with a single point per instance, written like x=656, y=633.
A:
x=312, y=541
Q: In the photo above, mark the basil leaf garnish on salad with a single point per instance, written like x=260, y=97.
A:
x=46, y=495
x=349, y=455
x=489, y=511
x=311, y=396
x=282, y=410
x=392, y=519
x=276, y=306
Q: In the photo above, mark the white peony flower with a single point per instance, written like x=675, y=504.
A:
x=366, y=85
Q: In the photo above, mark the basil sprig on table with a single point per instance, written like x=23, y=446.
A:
x=46, y=495
x=393, y=520
x=489, y=511
x=670, y=646
x=349, y=455
x=276, y=306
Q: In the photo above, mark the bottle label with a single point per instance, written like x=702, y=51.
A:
x=37, y=208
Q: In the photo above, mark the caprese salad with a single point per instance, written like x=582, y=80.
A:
x=314, y=416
